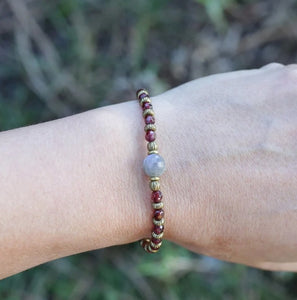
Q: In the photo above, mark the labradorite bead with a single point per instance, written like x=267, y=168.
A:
x=154, y=165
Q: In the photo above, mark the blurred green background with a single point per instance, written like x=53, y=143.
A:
x=62, y=57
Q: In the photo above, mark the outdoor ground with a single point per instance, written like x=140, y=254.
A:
x=62, y=57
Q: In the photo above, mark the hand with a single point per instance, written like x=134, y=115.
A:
x=230, y=143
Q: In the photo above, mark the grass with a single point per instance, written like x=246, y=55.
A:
x=128, y=273
x=63, y=57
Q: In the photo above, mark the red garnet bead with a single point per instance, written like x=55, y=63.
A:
x=157, y=196
x=158, y=229
x=150, y=135
x=158, y=214
x=156, y=241
x=149, y=120
x=147, y=105
x=143, y=95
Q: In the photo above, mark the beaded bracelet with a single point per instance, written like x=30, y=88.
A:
x=154, y=166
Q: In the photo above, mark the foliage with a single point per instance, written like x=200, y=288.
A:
x=215, y=10
x=128, y=273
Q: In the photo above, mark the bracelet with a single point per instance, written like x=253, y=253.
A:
x=154, y=166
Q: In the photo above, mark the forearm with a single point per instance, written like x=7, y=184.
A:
x=72, y=185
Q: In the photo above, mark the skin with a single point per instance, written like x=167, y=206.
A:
x=230, y=189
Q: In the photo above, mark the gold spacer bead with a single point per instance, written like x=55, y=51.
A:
x=152, y=146
x=145, y=100
x=142, y=91
x=147, y=112
x=157, y=205
x=158, y=223
x=155, y=178
x=157, y=236
x=155, y=185
x=152, y=250
x=156, y=245
x=144, y=242
x=150, y=127
x=152, y=152
x=146, y=248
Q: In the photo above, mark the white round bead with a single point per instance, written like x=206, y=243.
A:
x=154, y=165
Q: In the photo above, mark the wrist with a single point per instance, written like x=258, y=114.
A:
x=126, y=183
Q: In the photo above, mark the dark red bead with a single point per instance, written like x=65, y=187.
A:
x=156, y=241
x=150, y=135
x=149, y=120
x=158, y=214
x=147, y=105
x=158, y=229
x=143, y=95
x=157, y=196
